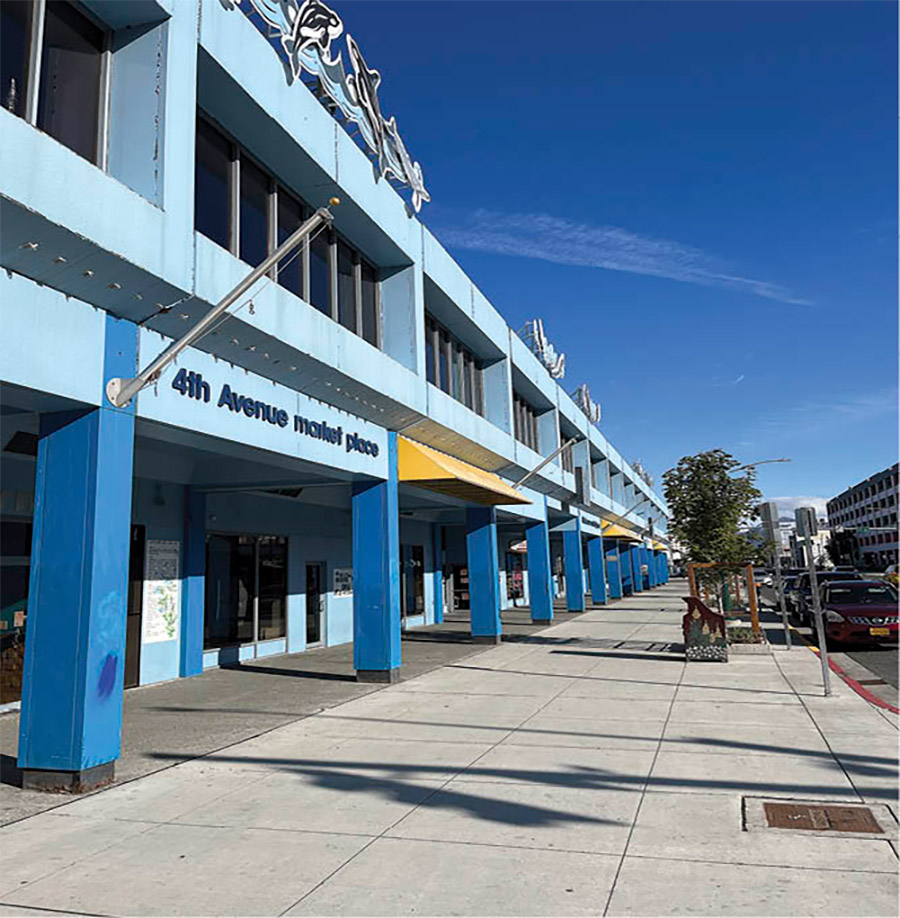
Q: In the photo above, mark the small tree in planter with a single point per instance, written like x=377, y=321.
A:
x=708, y=503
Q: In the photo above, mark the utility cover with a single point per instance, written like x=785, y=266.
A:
x=821, y=818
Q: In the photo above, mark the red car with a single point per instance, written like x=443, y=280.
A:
x=860, y=610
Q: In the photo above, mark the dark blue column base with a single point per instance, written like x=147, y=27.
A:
x=487, y=638
x=68, y=782
x=384, y=676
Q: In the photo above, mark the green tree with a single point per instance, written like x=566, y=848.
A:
x=709, y=504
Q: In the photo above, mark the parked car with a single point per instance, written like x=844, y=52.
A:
x=801, y=595
x=860, y=610
x=787, y=584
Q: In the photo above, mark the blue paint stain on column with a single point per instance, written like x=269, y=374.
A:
x=376, y=570
x=484, y=571
x=540, y=582
x=73, y=676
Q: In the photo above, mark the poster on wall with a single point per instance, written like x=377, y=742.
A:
x=343, y=581
x=162, y=591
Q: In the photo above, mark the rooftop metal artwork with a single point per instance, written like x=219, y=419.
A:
x=305, y=33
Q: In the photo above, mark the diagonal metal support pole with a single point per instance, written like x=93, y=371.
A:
x=121, y=391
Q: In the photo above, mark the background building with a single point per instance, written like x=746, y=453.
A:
x=334, y=462
x=864, y=521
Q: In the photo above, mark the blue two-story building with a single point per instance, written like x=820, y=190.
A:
x=336, y=460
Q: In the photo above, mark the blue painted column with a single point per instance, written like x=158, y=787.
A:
x=71, y=721
x=613, y=568
x=645, y=566
x=540, y=582
x=573, y=562
x=598, y=570
x=376, y=576
x=193, y=592
x=484, y=574
x=666, y=568
x=625, y=568
x=634, y=555
x=651, y=568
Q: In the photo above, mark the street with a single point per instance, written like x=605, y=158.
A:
x=883, y=661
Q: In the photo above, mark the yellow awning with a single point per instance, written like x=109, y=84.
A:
x=658, y=546
x=425, y=467
x=612, y=531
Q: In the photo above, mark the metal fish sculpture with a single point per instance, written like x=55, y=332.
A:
x=307, y=30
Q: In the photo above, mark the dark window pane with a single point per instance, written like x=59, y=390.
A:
x=467, y=380
x=479, y=392
x=290, y=268
x=319, y=273
x=15, y=28
x=457, y=372
x=429, y=352
x=272, y=587
x=444, y=362
x=69, y=104
x=346, y=287
x=369, y=304
x=211, y=197
x=254, y=210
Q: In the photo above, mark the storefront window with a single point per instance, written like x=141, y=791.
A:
x=412, y=575
x=515, y=578
x=246, y=589
x=272, y=588
x=15, y=538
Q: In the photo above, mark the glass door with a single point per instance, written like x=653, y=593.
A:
x=135, y=607
x=230, y=590
x=315, y=602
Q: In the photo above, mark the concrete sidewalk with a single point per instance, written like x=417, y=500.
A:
x=588, y=770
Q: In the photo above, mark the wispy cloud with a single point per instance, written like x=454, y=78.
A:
x=730, y=382
x=567, y=242
x=817, y=415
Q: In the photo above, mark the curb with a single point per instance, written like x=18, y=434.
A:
x=860, y=690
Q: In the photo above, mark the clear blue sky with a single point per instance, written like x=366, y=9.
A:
x=699, y=198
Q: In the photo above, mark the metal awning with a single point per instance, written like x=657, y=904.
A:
x=612, y=531
x=433, y=470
